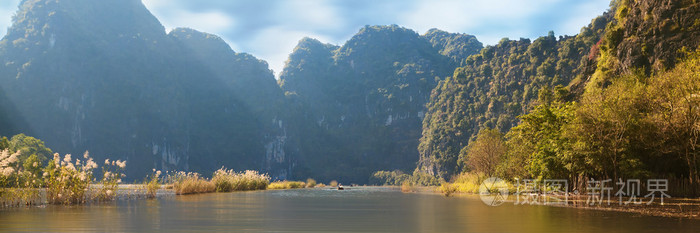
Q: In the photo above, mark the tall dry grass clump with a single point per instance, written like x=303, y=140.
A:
x=463, y=183
x=112, y=174
x=9, y=168
x=310, y=183
x=229, y=180
x=287, y=185
x=190, y=183
x=152, y=183
x=67, y=180
x=468, y=182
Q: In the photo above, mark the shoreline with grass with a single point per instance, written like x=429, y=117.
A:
x=185, y=184
x=467, y=186
x=680, y=208
x=65, y=180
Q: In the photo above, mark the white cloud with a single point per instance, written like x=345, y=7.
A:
x=492, y=38
x=585, y=12
x=7, y=10
x=460, y=15
x=492, y=20
x=153, y=4
x=5, y=23
x=214, y=22
x=318, y=15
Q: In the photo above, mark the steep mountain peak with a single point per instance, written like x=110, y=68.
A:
x=249, y=78
x=381, y=37
x=204, y=42
x=213, y=48
x=308, y=42
x=311, y=54
x=383, y=29
x=309, y=47
x=405, y=46
x=42, y=27
x=457, y=46
x=107, y=17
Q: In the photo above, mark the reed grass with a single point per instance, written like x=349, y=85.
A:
x=16, y=197
x=470, y=183
x=190, y=183
x=462, y=183
x=229, y=180
x=287, y=185
x=112, y=174
x=223, y=180
x=68, y=180
x=152, y=184
x=310, y=183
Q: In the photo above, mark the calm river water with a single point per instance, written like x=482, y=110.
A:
x=327, y=210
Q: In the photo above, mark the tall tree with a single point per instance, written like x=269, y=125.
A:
x=605, y=127
x=675, y=98
x=541, y=143
x=484, y=154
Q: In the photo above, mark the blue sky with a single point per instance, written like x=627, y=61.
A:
x=269, y=29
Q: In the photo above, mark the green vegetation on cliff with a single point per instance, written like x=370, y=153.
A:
x=628, y=109
x=497, y=85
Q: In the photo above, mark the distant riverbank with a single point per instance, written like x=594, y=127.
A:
x=687, y=208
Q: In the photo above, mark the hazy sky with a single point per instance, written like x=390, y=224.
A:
x=269, y=29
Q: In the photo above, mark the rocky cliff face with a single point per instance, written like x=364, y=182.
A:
x=10, y=121
x=252, y=82
x=367, y=98
x=103, y=76
x=645, y=37
x=652, y=34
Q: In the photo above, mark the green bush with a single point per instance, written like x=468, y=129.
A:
x=396, y=178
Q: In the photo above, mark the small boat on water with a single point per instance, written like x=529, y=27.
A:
x=340, y=187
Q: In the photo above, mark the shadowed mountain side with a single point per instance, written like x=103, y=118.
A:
x=103, y=76
x=366, y=98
